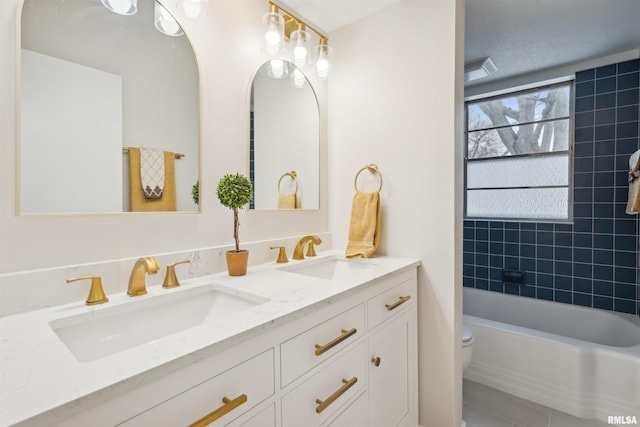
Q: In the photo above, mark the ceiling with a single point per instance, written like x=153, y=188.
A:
x=520, y=36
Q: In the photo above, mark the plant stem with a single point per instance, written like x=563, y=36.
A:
x=236, y=225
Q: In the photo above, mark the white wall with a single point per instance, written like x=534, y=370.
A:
x=228, y=47
x=395, y=99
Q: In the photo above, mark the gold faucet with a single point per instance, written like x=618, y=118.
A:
x=96, y=294
x=298, y=251
x=137, y=284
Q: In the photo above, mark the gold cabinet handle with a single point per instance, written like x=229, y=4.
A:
x=376, y=360
x=170, y=278
x=345, y=334
x=396, y=304
x=229, y=405
x=324, y=404
x=96, y=294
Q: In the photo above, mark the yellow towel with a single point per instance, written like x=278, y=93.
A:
x=364, y=227
x=288, y=201
x=633, y=204
x=138, y=202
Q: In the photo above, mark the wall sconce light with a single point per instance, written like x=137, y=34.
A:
x=165, y=22
x=193, y=9
x=298, y=79
x=283, y=26
x=121, y=7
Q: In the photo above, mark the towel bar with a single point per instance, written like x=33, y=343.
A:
x=294, y=177
x=125, y=150
x=372, y=168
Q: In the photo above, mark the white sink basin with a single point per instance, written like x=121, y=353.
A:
x=109, y=330
x=330, y=268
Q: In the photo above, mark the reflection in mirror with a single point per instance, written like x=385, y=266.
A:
x=99, y=90
x=284, y=146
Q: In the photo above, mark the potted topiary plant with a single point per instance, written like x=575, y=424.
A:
x=234, y=191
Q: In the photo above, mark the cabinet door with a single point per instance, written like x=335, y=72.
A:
x=390, y=369
x=218, y=400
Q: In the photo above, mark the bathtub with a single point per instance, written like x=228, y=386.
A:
x=578, y=360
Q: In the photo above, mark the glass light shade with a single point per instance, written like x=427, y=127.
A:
x=165, y=22
x=274, y=33
x=278, y=69
x=324, y=55
x=121, y=7
x=193, y=9
x=298, y=79
x=300, y=48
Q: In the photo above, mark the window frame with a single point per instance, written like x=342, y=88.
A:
x=570, y=83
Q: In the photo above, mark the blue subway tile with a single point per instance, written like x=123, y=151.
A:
x=545, y=280
x=511, y=262
x=625, y=259
x=496, y=286
x=622, y=226
x=583, y=225
x=583, y=150
x=496, y=225
x=481, y=272
x=544, y=294
x=468, y=233
x=604, y=117
x=482, y=259
x=627, y=66
x=604, y=132
x=468, y=257
x=563, y=254
x=583, y=240
x=496, y=248
x=624, y=291
x=563, y=268
x=603, y=288
x=604, y=148
x=468, y=270
x=583, y=270
x=543, y=226
x=544, y=238
x=582, y=195
x=624, y=306
x=511, y=249
x=482, y=224
x=544, y=252
x=601, y=210
x=627, y=130
x=627, y=97
x=584, y=75
x=583, y=210
x=606, y=71
x=585, y=119
x=563, y=228
x=511, y=289
x=606, y=85
x=603, y=272
x=495, y=274
x=496, y=235
x=468, y=282
x=625, y=275
x=563, y=282
x=482, y=234
x=583, y=299
x=603, y=241
x=482, y=284
x=583, y=165
x=527, y=226
x=607, y=100
x=528, y=251
x=511, y=236
x=604, y=163
x=527, y=236
x=586, y=103
x=625, y=243
x=482, y=247
x=563, y=239
x=526, y=264
x=496, y=261
x=626, y=146
x=562, y=296
x=582, y=255
x=583, y=180
x=627, y=114
x=512, y=225
x=603, y=256
x=583, y=284
x=528, y=291
x=467, y=245
x=603, y=303
x=585, y=88
x=544, y=266
x=628, y=81
x=604, y=179
x=604, y=195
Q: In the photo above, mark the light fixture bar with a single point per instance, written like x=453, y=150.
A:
x=291, y=18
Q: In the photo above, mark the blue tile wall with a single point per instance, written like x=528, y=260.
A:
x=593, y=261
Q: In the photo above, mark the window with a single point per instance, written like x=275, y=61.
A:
x=518, y=155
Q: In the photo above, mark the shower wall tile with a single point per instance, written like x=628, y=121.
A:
x=595, y=260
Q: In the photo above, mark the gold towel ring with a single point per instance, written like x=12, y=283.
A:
x=372, y=168
x=294, y=177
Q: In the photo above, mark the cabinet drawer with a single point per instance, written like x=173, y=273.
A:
x=318, y=398
x=304, y=351
x=355, y=415
x=242, y=387
x=388, y=303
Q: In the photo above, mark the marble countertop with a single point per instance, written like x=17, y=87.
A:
x=40, y=373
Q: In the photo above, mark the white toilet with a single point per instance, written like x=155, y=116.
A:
x=467, y=350
x=467, y=346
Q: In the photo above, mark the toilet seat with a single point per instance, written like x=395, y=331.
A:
x=467, y=335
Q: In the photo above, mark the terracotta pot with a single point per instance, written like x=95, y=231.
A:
x=237, y=262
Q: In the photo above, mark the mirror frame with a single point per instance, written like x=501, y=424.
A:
x=248, y=138
x=18, y=133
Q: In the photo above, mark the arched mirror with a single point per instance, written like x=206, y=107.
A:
x=284, y=142
x=109, y=103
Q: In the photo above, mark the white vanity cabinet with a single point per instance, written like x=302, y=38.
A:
x=349, y=359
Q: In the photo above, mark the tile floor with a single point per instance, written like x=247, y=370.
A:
x=483, y=406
